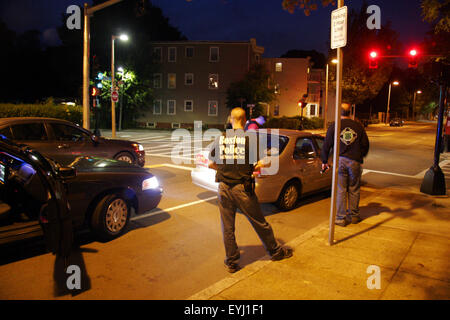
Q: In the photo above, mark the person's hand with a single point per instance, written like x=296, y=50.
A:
x=212, y=165
x=325, y=167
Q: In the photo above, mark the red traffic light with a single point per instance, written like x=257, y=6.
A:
x=373, y=59
x=412, y=63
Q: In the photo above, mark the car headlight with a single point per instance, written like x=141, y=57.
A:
x=150, y=183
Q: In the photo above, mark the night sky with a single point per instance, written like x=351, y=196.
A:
x=230, y=20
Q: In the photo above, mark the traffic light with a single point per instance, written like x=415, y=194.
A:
x=412, y=61
x=373, y=60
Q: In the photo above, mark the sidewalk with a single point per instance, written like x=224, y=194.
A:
x=405, y=233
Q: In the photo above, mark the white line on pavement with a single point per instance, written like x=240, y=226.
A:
x=172, y=209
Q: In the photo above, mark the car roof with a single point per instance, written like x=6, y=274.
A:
x=289, y=132
x=26, y=119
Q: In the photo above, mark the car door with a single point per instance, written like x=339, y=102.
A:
x=69, y=142
x=326, y=177
x=307, y=164
x=33, y=134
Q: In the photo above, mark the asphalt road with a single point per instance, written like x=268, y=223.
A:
x=176, y=250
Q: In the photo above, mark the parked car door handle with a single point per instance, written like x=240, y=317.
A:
x=63, y=146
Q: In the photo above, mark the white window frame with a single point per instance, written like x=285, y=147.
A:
x=168, y=54
x=217, y=108
x=210, y=54
x=168, y=81
x=209, y=76
x=160, y=53
x=185, y=52
x=160, y=80
x=185, y=79
x=159, y=101
x=192, y=105
x=174, y=107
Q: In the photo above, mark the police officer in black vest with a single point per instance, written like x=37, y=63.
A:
x=230, y=156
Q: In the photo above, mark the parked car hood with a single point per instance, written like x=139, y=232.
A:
x=88, y=163
x=117, y=141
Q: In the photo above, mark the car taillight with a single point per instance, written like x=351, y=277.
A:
x=138, y=147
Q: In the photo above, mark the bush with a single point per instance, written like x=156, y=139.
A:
x=294, y=123
x=71, y=113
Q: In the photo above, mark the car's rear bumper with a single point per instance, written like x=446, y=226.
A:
x=140, y=158
x=148, y=200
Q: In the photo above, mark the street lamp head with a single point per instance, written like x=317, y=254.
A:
x=395, y=83
x=419, y=92
x=335, y=61
x=120, y=69
x=123, y=37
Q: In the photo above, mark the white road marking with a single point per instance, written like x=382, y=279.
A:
x=167, y=156
x=420, y=175
x=171, y=166
x=172, y=209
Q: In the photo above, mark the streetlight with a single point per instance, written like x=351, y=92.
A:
x=414, y=103
x=395, y=83
x=334, y=61
x=122, y=37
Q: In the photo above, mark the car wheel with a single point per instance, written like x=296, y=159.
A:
x=110, y=217
x=289, y=196
x=124, y=156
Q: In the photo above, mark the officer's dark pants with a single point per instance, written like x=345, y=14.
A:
x=232, y=198
x=349, y=183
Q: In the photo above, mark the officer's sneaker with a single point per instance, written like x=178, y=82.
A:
x=341, y=222
x=356, y=219
x=232, y=267
x=283, y=253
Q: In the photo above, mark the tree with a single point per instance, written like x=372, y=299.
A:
x=253, y=89
x=306, y=5
x=437, y=12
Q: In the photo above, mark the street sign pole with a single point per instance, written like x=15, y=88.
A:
x=338, y=40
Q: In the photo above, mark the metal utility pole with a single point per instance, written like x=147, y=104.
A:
x=88, y=12
x=338, y=40
x=325, y=109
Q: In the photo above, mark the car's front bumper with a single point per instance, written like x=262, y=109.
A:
x=148, y=199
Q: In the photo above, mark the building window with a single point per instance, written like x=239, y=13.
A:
x=257, y=58
x=172, y=81
x=157, y=80
x=214, y=54
x=276, y=110
x=213, y=108
x=157, y=106
x=188, y=79
x=172, y=54
x=157, y=54
x=278, y=67
x=277, y=88
x=213, y=81
x=171, y=107
x=312, y=110
x=188, y=105
x=189, y=52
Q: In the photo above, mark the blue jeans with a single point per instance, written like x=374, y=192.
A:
x=349, y=183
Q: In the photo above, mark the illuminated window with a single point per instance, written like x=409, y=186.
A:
x=171, y=107
x=278, y=67
x=212, y=108
x=172, y=81
x=277, y=88
x=213, y=81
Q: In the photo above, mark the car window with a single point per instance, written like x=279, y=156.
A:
x=6, y=131
x=319, y=142
x=274, y=149
x=68, y=133
x=29, y=132
x=305, y=146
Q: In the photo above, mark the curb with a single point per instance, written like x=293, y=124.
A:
x=222, y=285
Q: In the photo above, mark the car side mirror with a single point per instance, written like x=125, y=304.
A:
x=67, y=172
x=95, y=139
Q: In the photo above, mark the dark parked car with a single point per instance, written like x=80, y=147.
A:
x=101, y=193
x=396, y=122
x=63, y=141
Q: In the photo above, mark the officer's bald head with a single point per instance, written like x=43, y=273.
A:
x=238, y=118
x=346, y=110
